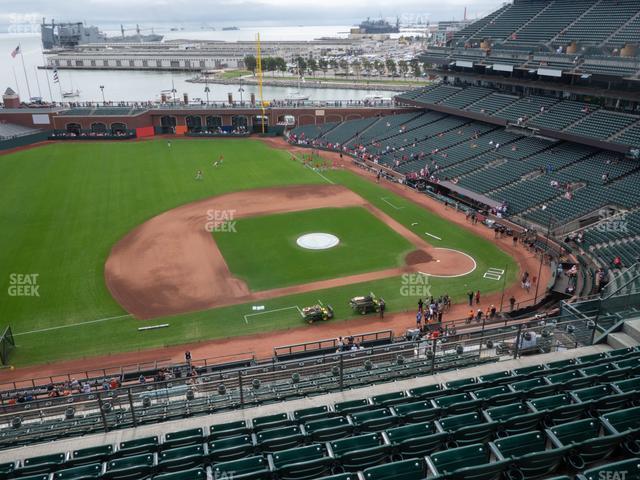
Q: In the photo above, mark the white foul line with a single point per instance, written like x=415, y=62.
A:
x=384, y=199
x=71, y=325
x=246, y=320
x=433, y=236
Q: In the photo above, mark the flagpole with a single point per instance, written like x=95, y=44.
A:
x=46, y=74
x=15, y=77
x=35, y=68
x=26, y=79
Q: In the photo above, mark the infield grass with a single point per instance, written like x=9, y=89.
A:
x=63, y=206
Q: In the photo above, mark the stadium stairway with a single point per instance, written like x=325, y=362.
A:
x=356, y=394
x=628, y=336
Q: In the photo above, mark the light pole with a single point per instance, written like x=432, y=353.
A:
x=206, y=91
x=102, y=91
x=240, y=90
x=542, y=254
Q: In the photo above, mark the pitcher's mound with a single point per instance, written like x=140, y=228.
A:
x=317, y=241
x=418, y=256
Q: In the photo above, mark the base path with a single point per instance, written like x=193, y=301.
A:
x=171, y=263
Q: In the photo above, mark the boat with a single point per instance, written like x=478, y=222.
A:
x=71, y=93
x=228, y=29
x=296, y=96
x=379, y=26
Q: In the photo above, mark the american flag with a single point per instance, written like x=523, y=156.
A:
x=55, y=76
x=15, y=52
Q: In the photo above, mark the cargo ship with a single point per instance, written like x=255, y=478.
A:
x=379, y=26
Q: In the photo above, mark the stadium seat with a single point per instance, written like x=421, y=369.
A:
x=341, y=476
x=194, y=474
x=83, y=472
x=466, y=463
x=528, y=454
x=411, y=469
x=134, y=467
x=467, y=428
x=458, y=403
x=498, y=395
x=531, y=371
x=312, y=413
x=416, y=440
x=86, y=456
x=252, y=468
x=138, y=446
x=613, y=471
x=586, y=446
x=534, y=387
x=514, y=418
x=6, y=469
x=304, y=463
x=181, y=458
x=351, y=406
x=626, y=422
x=426, y=392
x=41, y=464
x=358, y=453
x=231, y=429
x=183, y=438
x=231, y=448
x=603, y=398
x=415, y=412
x=629, y=385
x=462, y=385
x=569, y=380
x=558, y=408
x=280, y=438
x=271, y=421
x=374, y=420
x=328, y=429
x=497, y=378
x=390, y=399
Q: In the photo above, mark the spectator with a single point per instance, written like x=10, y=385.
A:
x=512, y=303
x=478, y=297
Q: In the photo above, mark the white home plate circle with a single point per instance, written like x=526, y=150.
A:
x=318, y=241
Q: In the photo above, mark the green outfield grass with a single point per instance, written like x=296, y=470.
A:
x=263, y=250
x=63, y=206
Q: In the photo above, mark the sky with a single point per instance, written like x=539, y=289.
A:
x=275, y=12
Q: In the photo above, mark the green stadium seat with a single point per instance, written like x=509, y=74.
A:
x=328, y=429
x=312, y=413
x=41, y=464
x=458, y=403
x=82, y=472
x=6, y=469
x=569, y=380
x=632, y=365
x=426, y=392
x=416, y=440
x=613, y=471
x=271, y=421
x=134, y=467
x=38, y=476
x=390, y=399
x=304, y=463
x=498, y=395
x=351, y=406
x=411, y=469
x=414, y=412
x=598, y=370
x=138, y=446
x=558, y=408
x=603, y=398
x=470, y=462
x=534, y=387
x=467, y=428
x=193, y=474
x=559, y=365
x=181, y=458
x=225, y=449
x=528, y=454
x=231, y=429
x=514, y=418
x=183, y=438
x=341, y=476
x=252, y=468
x=358, y=453
x=280, y=438
x=374, y=420
x=531, y=371
x=592, y=358
x=86, y=456
x=497, y=378
x=629, y=385
x=462, y=385
x=586, y=446
x=626, y=422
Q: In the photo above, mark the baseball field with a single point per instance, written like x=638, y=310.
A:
x=100, y=239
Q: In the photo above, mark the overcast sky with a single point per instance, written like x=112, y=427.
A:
x=284, y=12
